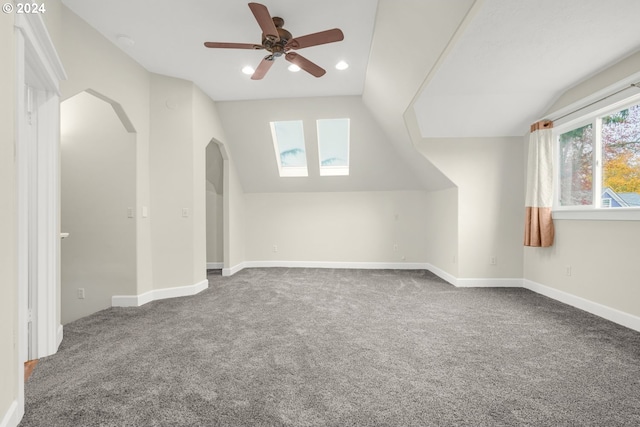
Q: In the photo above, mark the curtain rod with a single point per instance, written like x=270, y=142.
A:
x=632, y=85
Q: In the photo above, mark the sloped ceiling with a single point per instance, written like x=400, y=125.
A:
x=516, y=57
x=374, y=164
x=466, y=68
x=408, y=41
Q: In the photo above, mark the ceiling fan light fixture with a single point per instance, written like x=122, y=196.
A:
x=248, y=70
x=294, y=68
x=342, y=65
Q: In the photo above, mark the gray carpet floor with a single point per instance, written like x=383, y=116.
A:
x=307, y=347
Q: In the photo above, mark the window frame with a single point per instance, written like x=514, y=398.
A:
x=594, y=211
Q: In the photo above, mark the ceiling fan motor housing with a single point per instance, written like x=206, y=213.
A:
x=277, y=47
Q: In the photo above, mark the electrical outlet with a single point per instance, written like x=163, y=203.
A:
x=185, y=212
x=395, y=247
x=567, y=270
x=130, y=212
x=80, y=293
x=275, y=248
x=493, y=260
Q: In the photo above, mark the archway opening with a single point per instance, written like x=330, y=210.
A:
x=214, y=197
x=98, y=200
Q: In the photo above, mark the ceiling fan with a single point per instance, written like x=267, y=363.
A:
x=278, y=42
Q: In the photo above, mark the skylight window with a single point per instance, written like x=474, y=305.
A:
x=288, y=142
x=333, y=146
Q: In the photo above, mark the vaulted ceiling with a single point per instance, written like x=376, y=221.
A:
x=515, y=58
x=468, y=68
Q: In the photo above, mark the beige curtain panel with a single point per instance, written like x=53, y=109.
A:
x=539, y=230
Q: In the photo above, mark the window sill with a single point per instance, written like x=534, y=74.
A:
x=613, y=214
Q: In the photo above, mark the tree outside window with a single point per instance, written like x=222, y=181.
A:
x=612, y=141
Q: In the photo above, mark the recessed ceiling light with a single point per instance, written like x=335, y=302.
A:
x=342, y=65
x=294, y=68
x=125, y=40
x=248, y=70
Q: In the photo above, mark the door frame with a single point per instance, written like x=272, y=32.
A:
x=38, y=254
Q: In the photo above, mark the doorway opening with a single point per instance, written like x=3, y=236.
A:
x=38, y=75
x=214, y=206
x=98, y=204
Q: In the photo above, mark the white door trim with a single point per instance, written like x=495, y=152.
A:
x=37, y=65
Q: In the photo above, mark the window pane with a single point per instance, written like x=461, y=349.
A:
x=333, y=146
x=576, y=167
x=288, y=142
x=621, y=158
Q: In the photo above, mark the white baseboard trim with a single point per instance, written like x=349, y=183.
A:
x=339, y=265
x=620, y=317
x=474, y=283
x=59, y=337
x=158, y=294
x=625, y=319
x=326, y=264
x=447, y=277
x=489, y=283
x=12, y=417
x=215, y=265
x=226, y=272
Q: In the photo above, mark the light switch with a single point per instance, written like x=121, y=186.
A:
x=185, y=212
x=145, y=212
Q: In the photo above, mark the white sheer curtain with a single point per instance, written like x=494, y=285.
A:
x=539, y=230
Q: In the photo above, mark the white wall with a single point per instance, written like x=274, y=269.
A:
x=442, y=231
x=207, y=130
x=98, y=188
x=8, y=222
x=489, y=176
x=234, y=219
x=171, y=159
x=603, y=254
x=173, y=121
x=183, y=122
x=337, y=227
x=396, y=70
x=374, y=163
x=93, y=62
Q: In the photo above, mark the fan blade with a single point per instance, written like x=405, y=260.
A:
x=263, y=17
x=305, y=64
x=263, y=67
x=315, y=39
x=233, y=45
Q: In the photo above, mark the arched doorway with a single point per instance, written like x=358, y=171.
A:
x=214, y=206
x=98, y=200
